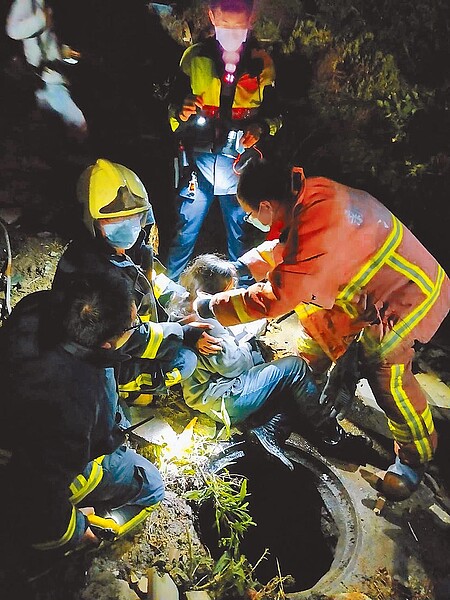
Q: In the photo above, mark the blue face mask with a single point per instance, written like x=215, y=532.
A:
x=123, y=234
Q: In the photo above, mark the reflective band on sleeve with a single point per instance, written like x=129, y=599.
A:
x=154, y=342
x=143, y=381
x=63, y=539
x=81, y=486
x=400, y=432
x=132, y=523
x=428, y=420
x=415, y=422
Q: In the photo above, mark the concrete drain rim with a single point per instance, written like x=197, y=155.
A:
x=341, y=507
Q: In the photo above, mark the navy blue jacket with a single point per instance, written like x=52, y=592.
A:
x=59, y=411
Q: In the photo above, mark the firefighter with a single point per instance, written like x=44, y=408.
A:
x=64, y=465
x=223, y=103
x=117, y=215
x=350, y=269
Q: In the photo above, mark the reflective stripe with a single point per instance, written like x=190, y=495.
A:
x=64, y=538
x=412, y=272
x=349, y=308
x=367, y=272
x=110, y=523
x=428, y=420
x=143, y=380
x=413, y=420
x=274, y=125
x=173, y=377
x=305, y=310
x=405, y=326
x=154, y=342
x=239, y=308
x=400, y=432
x=132, y=523
x=81, y=486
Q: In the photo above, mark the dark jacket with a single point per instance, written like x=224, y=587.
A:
x=59, y=412
x=155, y=341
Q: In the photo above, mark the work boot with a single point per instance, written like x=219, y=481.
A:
x=400, y=481
x=271, y=435
x=337, y=443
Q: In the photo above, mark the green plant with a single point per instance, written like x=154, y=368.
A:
x=232, y=573
x=227, y=492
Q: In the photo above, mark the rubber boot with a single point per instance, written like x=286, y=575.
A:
x=401, y=480
x=335, y=442
x=270, y=435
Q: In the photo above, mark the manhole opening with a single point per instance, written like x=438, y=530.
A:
x=292, y=522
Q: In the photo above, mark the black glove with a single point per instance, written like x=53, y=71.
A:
x=339, y=389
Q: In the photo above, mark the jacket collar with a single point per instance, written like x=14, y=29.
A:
x=102, y=357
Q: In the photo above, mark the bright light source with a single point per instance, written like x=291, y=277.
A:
x=201, y=121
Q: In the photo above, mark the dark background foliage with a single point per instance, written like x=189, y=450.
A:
x=364, y=88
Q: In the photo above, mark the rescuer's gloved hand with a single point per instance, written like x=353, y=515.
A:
x=339, y=389
x=336, y=400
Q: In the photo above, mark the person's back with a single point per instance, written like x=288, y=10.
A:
x=42, y=387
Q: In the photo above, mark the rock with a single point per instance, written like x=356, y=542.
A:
x=143, y=584
x=161, y=587
x=124, y=591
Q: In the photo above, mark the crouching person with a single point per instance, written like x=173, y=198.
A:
x=63, y=462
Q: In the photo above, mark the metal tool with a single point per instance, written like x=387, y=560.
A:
x=136, y=425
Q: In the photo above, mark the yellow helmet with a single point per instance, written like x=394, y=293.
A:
x=109, y=190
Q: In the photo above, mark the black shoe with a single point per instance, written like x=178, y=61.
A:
x=345, y=446
x=269, y=437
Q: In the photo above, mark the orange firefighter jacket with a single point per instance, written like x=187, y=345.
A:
x=347, y=253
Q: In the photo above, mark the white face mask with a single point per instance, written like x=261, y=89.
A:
x=231, y=39
x=123, y=234
x=257, y=223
